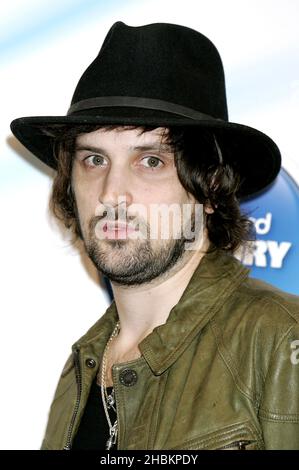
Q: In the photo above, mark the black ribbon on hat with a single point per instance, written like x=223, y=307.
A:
x=137, y=102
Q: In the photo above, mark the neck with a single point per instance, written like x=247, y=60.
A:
x=142, y=308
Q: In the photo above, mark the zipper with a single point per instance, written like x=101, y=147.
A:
x=114, y=380
x=79, y=392
x=241, y=445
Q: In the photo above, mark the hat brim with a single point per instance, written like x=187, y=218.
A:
x=258, y=156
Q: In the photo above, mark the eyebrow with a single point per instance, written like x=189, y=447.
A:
x=155, y=147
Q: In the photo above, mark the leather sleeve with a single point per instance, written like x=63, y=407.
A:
x=279, y=409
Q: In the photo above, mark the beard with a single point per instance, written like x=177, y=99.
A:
x=132, y=262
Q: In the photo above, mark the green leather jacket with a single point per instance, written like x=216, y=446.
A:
x=221, y=373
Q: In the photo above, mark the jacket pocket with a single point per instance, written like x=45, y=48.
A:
x=239, y=436
x=241, y=444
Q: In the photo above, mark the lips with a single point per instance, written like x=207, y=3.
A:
x=117, y=230
x=117, y=227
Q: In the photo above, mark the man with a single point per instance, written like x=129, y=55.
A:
x=192, y=353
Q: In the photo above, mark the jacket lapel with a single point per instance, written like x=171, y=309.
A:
x=217, y=276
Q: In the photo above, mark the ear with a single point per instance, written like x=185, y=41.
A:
x=208, y=209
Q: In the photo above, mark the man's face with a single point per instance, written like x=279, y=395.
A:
x=124, y=181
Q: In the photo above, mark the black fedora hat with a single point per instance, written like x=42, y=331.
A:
x=159, y=75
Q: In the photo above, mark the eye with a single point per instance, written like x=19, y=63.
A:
x=95, y=160
x=153, y=162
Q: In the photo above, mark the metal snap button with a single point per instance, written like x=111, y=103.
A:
x=128, y=377
x=91, y=363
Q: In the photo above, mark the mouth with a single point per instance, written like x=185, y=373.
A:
x=119, y=230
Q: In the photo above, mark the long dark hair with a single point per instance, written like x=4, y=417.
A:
x=204, y=169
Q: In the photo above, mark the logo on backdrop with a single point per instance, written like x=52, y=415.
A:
x=276, y=218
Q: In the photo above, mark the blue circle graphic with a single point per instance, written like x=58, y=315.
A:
x=276, y=217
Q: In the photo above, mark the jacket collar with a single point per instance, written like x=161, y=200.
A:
x=216, y=277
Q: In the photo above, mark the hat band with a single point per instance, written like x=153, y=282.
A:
x=137, y=102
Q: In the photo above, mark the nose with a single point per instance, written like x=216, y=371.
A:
x=115, y=188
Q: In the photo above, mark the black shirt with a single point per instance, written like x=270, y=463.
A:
x=93, y=431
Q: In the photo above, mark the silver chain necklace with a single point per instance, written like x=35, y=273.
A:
x=109, y=400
